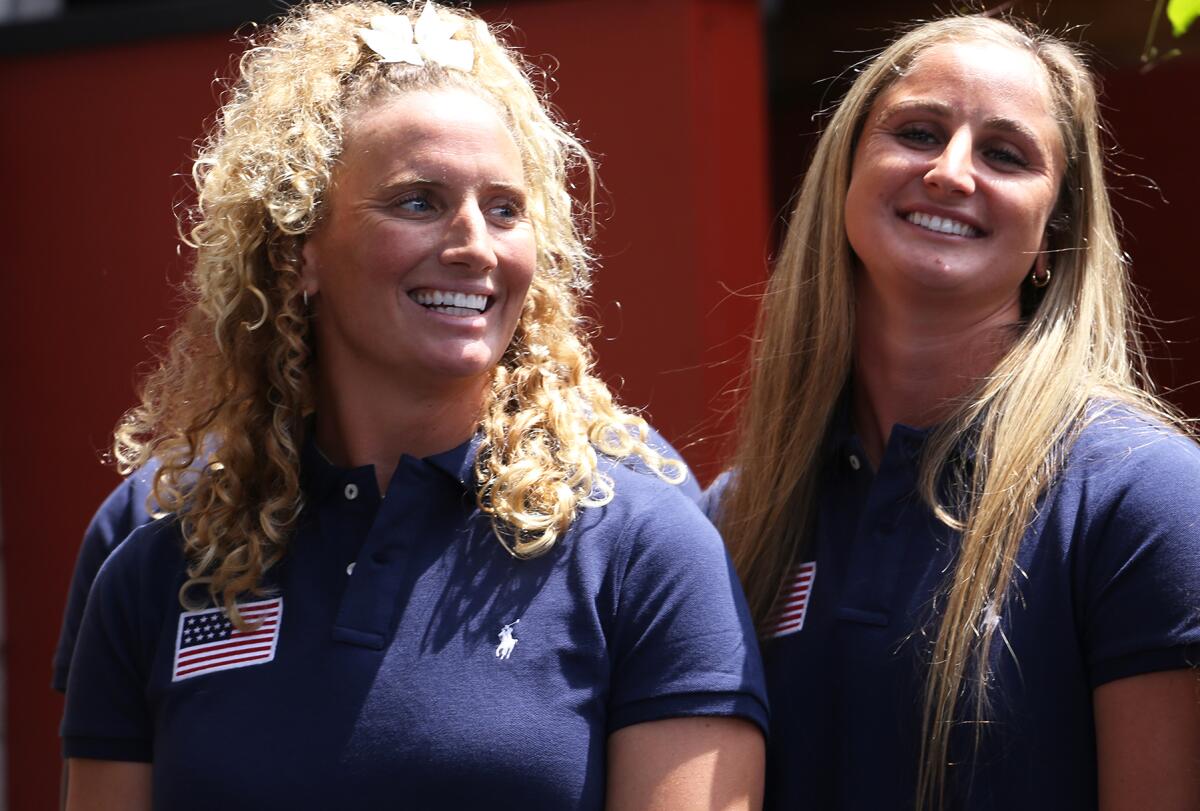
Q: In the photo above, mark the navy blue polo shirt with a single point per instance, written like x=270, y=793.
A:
x=405, y=659
x=125, y=510
x=121, y=513
x=1109, y=587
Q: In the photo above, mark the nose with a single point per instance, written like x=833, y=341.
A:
x=467, y=242
x=953, y=170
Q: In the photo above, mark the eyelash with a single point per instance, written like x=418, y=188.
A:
x=414, y=197
x=915, y=135
x=920, y=135
x=514, y=210
x=508, y=210
x=1007, y=156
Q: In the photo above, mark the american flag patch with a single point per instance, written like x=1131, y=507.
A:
x=788, y=615
x=207, y=641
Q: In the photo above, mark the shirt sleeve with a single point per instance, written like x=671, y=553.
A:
x=122, y=512
x=683, y=644
x=1142, y=559
x=107, y=715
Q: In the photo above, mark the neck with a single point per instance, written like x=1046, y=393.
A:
x=914, y=360
x=378, y=421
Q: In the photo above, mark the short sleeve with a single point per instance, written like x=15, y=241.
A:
x=107, y=716
x=122, y=512
x=1142, y=576
x=683, y=644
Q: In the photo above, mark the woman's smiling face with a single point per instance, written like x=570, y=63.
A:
x=955, y=177
x=422, y=265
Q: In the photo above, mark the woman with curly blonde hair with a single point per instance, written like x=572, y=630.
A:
x=967, y=529
x=415, y=553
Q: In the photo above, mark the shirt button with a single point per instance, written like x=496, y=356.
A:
x=350, y=568
x=351, y=491
x=854, y=462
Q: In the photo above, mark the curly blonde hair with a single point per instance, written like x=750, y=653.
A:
x=238, y=369
x=1077, y=353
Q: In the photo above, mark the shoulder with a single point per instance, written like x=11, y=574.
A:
x=663, y=545
x=1121, y=433
x=134, y=593
x=150, y=558
x=680, y=634
x=1127, y=460
x=1127, y=513
x=714, y=494
x=645, y=503
x=688, y=487
x=123, y=511
x=648, y=525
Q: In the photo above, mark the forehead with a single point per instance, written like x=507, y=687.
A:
x=430, y=127
x=978, y=79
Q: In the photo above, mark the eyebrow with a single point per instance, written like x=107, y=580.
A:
x=945, y=111
x=511, y=188
x=391, y=185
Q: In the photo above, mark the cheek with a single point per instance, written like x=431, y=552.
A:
x=857, y=213
x=521, y=263
x=396, y=252
x=1031, y=215
x=866, y=203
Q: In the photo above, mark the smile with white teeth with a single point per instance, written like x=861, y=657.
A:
x=943, y=225
x=450, y=303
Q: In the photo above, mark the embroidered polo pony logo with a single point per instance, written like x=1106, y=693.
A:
x=507, y=641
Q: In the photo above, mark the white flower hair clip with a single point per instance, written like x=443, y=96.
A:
x=395, y=40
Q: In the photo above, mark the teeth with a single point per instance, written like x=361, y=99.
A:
x=943, y=225
x=450, y=302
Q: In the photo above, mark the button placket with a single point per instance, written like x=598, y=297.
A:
x=882, y=527
x=375, y=596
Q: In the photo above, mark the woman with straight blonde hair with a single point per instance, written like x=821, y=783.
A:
x=968, y=530
x=416, y=556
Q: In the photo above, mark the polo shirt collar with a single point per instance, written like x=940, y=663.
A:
x=844, y=440
x=459, y=462
x=320, y=476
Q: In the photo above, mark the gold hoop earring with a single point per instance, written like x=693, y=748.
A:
x=1040, y=281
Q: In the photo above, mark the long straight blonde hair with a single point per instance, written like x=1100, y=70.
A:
x=1077, y=347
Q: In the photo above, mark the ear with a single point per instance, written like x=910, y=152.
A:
x=310, y=268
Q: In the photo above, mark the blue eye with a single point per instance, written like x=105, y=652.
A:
x=917, y=135
x=416, y=203
x=1006, y=156
x=508, y=210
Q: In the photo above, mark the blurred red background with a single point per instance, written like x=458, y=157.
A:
x=700, y=112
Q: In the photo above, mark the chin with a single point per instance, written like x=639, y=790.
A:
x=470, y=364
x=934, y=272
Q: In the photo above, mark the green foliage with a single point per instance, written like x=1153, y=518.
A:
x=1182, y=13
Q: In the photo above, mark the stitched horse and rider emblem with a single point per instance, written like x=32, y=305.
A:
x=507, y=641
